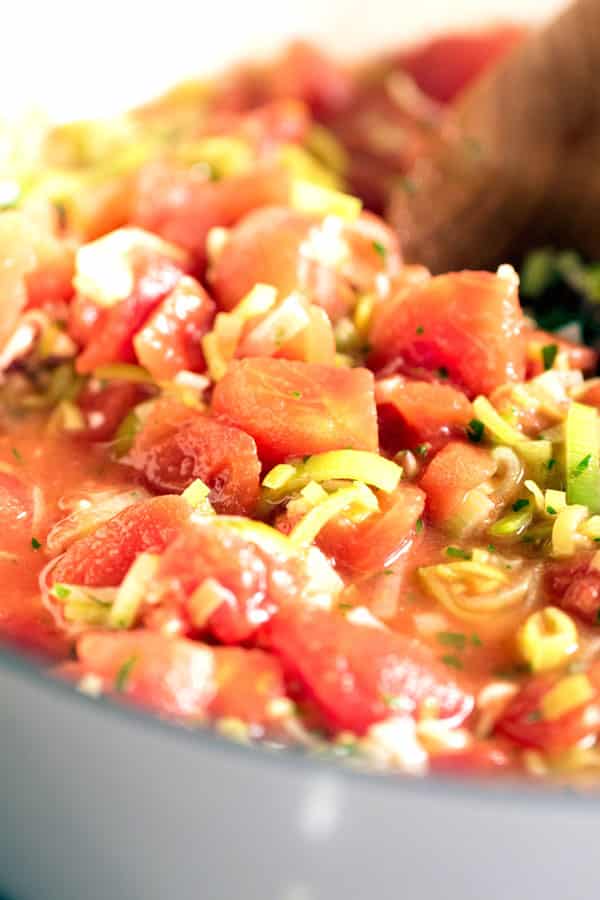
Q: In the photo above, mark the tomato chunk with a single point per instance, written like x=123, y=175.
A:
x=523, y=722
x=104, y=408
x=111, y=338
x=574, y=585
x=304, y=72
x=182, y=206
x=375, y=543
x=16, y=513
x=412, y=413
x=455, y=470
x=465, y=326
x=251, y=583
x=178, y=445
x=170, y=341
x=102, y=558
x=292, y=408
x=358, y=675
x=247, y=683
x=446, y=65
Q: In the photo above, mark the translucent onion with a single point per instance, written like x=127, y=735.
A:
x=133, y=590
x=333, y=465
x=312, y=198
x=343, y=500
x=89, y=513
x=565, y=537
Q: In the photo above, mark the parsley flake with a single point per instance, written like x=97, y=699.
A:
x=16, y=454
x=549, y=355
x=550, y=510
x=458, y=553
x=61, y=591
x=419, y=330
x=419, y=525
x=124, y=673
x=443, y=372
x=520, y=504
x=581, y=466
x=550, y=464
x=453, y=661
x=452, y=639
x=35, y=543
x=423, y=449
x=297, y=394
x=475, y=430
x=379, y=248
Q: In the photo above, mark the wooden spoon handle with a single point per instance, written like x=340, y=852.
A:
x=520, y=152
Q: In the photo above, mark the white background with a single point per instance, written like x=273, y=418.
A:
x=82, y=58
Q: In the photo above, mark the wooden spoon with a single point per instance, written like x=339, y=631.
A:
x=520, y=163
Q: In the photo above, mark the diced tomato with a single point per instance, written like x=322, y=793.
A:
x=16, y=513
x=182, y=206
x=307, y=74
x=446, y=65
x=174, y=676
x=357, y=674
x=104, y=408
x=85, y=320
x=451, y=474
x=579, y=356
x=101, y=559
x=466, y=326
x=480, y=758
x=374, y=248
x=574, y=585
x=180, y=677
x=247, y=682
x=263, y=247
x=412, y=413
x=51, y=281
x=591, y=396
x=171, y=338
x=280, y=121
x=112, y=336
x=522, y=720
x=251, y=582
x=292, y=408
x=172, y=452
x=377, y=542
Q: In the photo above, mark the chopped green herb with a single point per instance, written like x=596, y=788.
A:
x=475, y=430
x=452, y=639
x=514, y=671
x=451, y=660
x=581, y=466
x=379, y=248
x=423, y=449
x=389, y=571
x=491, y=548
x=550, y=464
x=124, y=673
x=408, y=184
x=419, y=329
x=419, y=525
x=443, y=372
x=533, y=716
x=392, y=701
x=35, y=543
x=16, y=454
x=549, y=355
x=550, y=510
x=344, y=606
x=476, y=640
x=520, y=504
x=297, y=394
x=305, y=459
x=61, y=591
x=458, y=553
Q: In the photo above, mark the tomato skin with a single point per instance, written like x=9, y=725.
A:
x=465, y=324
x=456, y=469
x=481, y=758
x=579, y=356
x=111, y=338
x=254, y=582
x=307, y=74
x=179, y=677
x=446, y=65
x=262, y=248
x=523, y=723
x=101, y=559
x=574, y=585
x=51, y=281
x=247, y=682
x=104, y=409
x=370, y=546
x=171, y=453
x=420, y=412
x=335, y=409
x=170, y=341
x=352, y=671
x=182, y=206
x=84, y=319
x=174, y=676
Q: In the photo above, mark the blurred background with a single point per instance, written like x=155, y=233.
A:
x=85, y=59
